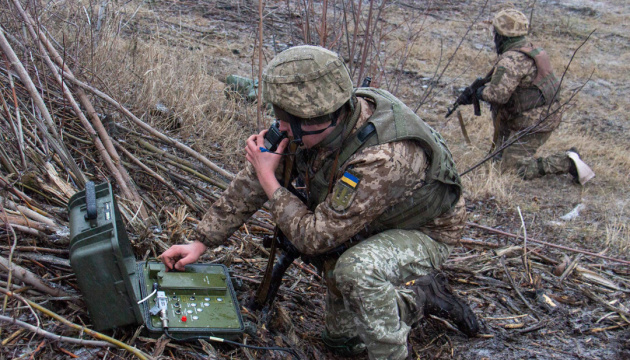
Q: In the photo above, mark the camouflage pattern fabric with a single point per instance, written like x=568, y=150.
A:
x=307, y=81
x=510, y=22
x=375, y=304
x=243, y=197
x=515, y=69
x=385, y=173
x=520, y=157
x=388, y=173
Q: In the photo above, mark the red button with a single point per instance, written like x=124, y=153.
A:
x=184, y=318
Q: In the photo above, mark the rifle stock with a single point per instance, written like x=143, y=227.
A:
x=268, y=289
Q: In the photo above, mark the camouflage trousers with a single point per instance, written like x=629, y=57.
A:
x=371, y=301
x=520, y=157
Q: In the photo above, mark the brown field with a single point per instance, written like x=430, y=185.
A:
x=176, y=55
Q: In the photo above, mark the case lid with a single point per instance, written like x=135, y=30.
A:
x=102, y=258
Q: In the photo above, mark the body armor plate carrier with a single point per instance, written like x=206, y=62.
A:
x=544, y=88
x=393, y=121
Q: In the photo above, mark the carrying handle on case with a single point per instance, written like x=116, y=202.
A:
x=90, y=201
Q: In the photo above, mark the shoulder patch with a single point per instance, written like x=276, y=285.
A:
x=350, y=179
x=498, y=74
x=344, y=191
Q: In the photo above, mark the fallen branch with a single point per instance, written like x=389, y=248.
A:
x=26, y=222
x=34, y=215
x=83, y=329
x=30, y=278
x=37, y=249
x=514, y=285
x=624, y=314
x=549, y=244
x=52, y=336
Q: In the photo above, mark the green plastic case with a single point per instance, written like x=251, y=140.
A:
x=112, y=281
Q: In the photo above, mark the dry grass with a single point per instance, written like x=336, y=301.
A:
x=147, y=62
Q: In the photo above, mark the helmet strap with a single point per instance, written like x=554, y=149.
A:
x=298, y=133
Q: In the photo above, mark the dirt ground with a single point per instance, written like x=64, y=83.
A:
x=179, y=54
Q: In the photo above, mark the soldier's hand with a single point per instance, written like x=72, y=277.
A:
x=466, y=97
x=178, y=256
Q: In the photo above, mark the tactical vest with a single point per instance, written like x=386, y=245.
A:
x=393, y=121
x=543, y=89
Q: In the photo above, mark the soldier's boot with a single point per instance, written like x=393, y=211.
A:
x=438, y=300
x=581, y=172
x=344, y=346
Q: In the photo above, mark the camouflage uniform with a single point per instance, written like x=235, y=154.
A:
x=366, y=294
x=516, y=71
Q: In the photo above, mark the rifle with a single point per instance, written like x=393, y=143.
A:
x=470, y=93
x=268, y=289
x=266, y=293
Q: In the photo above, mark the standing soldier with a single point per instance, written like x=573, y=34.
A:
x=384, y=203
x=524, y=90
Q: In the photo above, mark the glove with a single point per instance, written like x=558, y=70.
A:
x=479, y=93
x=465, y=98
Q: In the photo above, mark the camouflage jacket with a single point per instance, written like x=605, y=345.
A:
x=388, y=173
x=516, y=70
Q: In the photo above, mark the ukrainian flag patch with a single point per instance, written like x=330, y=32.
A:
x=350, y=180
x=344, y=191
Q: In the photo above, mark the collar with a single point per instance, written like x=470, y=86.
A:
x=513, y=43
x=343, y=129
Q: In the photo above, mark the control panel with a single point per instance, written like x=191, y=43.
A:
x=200, y=299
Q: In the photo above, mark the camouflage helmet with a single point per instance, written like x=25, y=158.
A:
x=307, y=81
x=510, y=23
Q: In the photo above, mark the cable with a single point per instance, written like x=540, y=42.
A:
x=217, y=339
x=148, y=297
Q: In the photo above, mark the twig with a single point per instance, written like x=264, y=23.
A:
x=10, y=260
x=605, y=304
x=514, y=285
x=524, y=257
x=548, y=244
x=28, y=230
x=52, y=336
x=569, y=268
x=37, y=249
x=19, y=134
x=97, y=132
x=159, y=178
x=34, y=215
x=47, y=259
x=53, y=138
x=146, y=127
x=218, y=182
x=83, y=329
x=30, y=278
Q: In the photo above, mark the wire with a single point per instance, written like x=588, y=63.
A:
x=217, y=339
x=148, y=297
